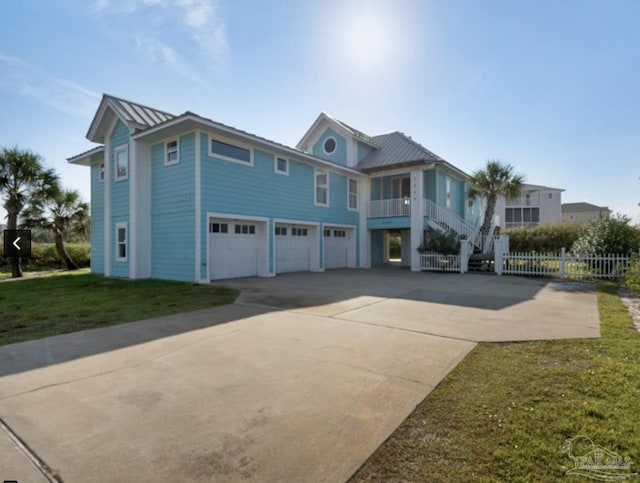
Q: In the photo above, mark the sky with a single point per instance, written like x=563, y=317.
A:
x=550, y=87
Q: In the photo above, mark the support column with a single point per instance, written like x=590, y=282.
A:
x=417, y=217
x=364, y=195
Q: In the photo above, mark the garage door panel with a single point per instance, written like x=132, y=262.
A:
x=294, y=247
x=235, y=248
x=339, y=247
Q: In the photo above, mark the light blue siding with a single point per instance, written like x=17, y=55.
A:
x=339, y=156
x=442, y=189
x=457, y=197
x=430, y=185
x=97, y=220
x=119, y=198
x=392, y=222
x=236, y=189
x=363, y=150
x=377, y=248
x=173, y=213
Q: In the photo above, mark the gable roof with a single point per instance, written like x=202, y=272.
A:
x=85, y=157
x=136, y=116
x=341, y=126
x=529, y=186
x=582, y=207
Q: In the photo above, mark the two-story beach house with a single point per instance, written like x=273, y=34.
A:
x=535, y=205
x=183, y=197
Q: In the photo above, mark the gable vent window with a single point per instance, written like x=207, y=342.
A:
x=329, y=145
x=230, y=152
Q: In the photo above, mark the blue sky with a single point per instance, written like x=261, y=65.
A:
x=551, y=87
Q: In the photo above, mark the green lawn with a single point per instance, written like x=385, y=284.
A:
x=504, y=413
x=32, y=308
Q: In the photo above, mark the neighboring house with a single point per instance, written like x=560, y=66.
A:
x=188, y=198
x=582, y=213
x=536, y=205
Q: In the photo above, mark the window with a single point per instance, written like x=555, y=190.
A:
x=245, y=229
x=339, y=233
x=282, y=165
x=121, y=242
x=329, y=145
x=327, y=233
x=281, y=230
x=171, y=153
x=121, y=154
x=322, y=188
x=527, y=199
x=448, y=191
x=101, y=172
x=218, y=228
x=353, y=194
x=550, y=196
x=230, y=152
x=299, y=232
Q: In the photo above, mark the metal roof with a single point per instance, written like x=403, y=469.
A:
x=355, y=132
x=582, y=207
x=396, y=149
x=132, y=112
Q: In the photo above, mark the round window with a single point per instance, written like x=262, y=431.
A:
x=329, y=145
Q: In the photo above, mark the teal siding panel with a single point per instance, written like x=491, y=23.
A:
x=119, y=198
x=389, y=223
x=256, y=190
x=377, y=248
x=363, y=151
x=376, y=189
x=339, y=156
x=97, y=221
x=457, y=197
x=442, y=189
x=173, y=213
x=430, y=185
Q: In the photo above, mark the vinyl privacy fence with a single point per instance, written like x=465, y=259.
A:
x=563, y=265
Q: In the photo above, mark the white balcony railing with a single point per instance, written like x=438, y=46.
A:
x=388, y=208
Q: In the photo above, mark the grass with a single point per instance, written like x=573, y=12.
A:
x=505, y=411
x=72, y=301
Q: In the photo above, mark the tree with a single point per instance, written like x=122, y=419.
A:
x=495, y=180
x=61, y=211
x=608, y=235
x=23, y=178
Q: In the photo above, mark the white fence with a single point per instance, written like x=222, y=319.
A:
x=563, y=265
x=434, y=262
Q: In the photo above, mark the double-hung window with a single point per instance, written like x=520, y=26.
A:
x=121, y=242
x=322, y=187
x=352, y=194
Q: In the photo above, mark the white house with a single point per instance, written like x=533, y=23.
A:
x=536, y=205
x=582, y=213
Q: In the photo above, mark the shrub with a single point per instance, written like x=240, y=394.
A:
x=610, y=235
x=543, y=238
x=45, y=257
x=632, y=278
x=446, y=243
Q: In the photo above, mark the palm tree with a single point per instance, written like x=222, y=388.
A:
x=496, y=179
x=22, y=179
x=60, y=212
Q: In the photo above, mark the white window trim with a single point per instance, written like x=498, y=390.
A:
x=101, y=172
x=324, y=141
x=275, y=165
x=117, y=150
x=166, y=152
x=349, y=194
x=315, y=187
x=227, y=158
x=126, y=242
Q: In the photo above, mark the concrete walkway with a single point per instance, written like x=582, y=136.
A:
x=300, y=380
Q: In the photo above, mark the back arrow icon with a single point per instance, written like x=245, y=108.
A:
x=15, y=243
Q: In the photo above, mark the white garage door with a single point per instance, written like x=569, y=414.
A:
x=234, y=248
x=294, y=246
x=339, y=247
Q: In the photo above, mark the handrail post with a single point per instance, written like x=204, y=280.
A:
x=563, y=271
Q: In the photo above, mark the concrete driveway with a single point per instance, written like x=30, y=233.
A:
x=300, y=380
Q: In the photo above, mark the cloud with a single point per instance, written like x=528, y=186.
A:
x=198, y=17
x=60, y=94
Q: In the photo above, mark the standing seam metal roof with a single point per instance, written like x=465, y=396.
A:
x=396, y=149
x=139, y=114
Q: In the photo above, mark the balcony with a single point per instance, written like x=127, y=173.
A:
x=527, y=199
x=389, y=208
